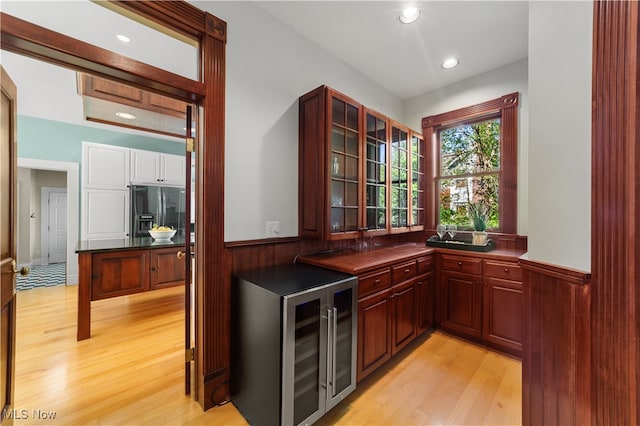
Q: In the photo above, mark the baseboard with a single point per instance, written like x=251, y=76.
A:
x=73, y=279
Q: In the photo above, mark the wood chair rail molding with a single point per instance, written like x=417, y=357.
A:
x=504, y=107
x=213, y=263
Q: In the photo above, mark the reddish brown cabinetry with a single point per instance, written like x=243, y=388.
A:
x=502, y=305
x=105, y=274
x=394, y=306
x=118, y=273
x=482, y=299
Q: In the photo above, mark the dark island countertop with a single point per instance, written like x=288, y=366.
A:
x=118, y=244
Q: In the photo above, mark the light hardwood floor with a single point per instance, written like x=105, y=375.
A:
x=131, y=371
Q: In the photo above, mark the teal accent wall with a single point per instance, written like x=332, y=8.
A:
x=53, y=140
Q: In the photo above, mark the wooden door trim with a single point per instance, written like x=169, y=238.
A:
x=213, y=264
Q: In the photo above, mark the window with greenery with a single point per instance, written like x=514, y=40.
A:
x=469, y=172
x=475, y=156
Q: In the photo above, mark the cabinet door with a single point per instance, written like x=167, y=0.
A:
x=166, y=269
x=105, y=166
x=105, y=214
x=374, y=339
x=399, y=177
x=376, y=172
x=503, y=305
x=417, y=181
x=344, y=165
x=172, y=169
x=425, y=297
x=461, y=303
x=403, y=317
x=145, y=167
x=119, y=273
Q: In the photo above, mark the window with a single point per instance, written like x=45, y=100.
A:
x=475, y=161
x=469, y=172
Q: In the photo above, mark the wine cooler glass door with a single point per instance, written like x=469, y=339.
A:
x=342, y=326
x=304, y=359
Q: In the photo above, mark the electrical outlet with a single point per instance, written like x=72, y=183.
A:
x=273, y=228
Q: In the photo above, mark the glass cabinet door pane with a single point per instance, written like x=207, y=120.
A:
x=337, y=219
x=351, y=219
x=337, y=112
x=352, y=117
x=352, y=195
x=351, y=168
x=306, y=370
x=337, y=139
x=352, y=143
x=337, y=193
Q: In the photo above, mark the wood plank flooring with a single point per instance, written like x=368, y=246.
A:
x=131, y=371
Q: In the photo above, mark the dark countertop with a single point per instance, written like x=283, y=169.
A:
x=128, y=244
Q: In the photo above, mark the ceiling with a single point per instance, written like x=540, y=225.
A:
x=406, y=59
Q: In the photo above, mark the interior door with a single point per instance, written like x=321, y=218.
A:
x=8, y=186
x=57, y=226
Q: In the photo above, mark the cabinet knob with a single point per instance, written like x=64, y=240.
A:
x=506, y=270
x=180, y=254
x=406, y=271
x=376, y=282
x=459, y=263
x=153, y=269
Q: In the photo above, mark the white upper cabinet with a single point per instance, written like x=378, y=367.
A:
x=155, y=168
x=105, y=214
x=105, y=166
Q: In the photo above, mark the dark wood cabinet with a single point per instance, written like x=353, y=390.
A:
x=374, y=334
x=360, y=173
x=403, y=315
x=502, y=324
x=166, y=270
x=461, y=302
x=482, y=299
x=118, y=273
x=425, y=297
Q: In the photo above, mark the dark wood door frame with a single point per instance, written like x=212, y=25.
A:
x=212, y=267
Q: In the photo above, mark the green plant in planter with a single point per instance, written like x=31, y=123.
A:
x=478, y=215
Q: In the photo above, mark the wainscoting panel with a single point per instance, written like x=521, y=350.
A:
x=556, y=348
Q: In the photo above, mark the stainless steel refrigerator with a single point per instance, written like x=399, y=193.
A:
x=156, y=204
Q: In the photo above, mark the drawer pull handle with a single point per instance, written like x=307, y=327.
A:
x=376, y=282
x=406, y=271
x=506, y=270
x=459, y=263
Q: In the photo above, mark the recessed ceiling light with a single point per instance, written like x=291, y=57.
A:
x=123, y=38
x=126, y=115
x=450, y=63
x=409, y=15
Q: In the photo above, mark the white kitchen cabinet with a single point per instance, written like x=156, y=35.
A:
x=157, y=168
x=105, y=214
x=105, y=166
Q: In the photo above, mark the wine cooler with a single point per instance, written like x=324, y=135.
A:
x=293, y=343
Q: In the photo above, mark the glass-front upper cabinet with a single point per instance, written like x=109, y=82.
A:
x=376, y=173
x=330, y=151
x=343, y=167
x=417, y=180
x=407, y=179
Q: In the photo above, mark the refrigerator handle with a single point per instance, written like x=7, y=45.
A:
x=329, y=350
x=333, y=345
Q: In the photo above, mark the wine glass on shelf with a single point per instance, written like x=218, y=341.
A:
x=441, y=230
x=452, y=229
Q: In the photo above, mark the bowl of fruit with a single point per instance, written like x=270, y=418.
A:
x=161, y=233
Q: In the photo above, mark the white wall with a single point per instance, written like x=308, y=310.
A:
x=484, y=87
x=268, y=68
x=560, y=59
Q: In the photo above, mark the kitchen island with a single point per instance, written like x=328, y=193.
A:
x=123, y=266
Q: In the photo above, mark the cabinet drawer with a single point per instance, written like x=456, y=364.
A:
x=403, y=272
x=461, y=264
x=505, y=270
x=425, y=264
x=371, y=283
